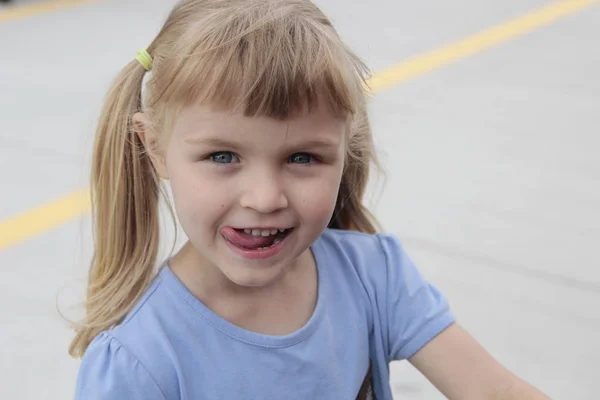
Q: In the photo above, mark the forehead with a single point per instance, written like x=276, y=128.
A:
x=197, y=123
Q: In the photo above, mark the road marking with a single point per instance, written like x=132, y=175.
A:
x=488, y=38
x=74, y=205
x=44, y=7
x=44, y=218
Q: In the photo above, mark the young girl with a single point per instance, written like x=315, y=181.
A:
x=254, y=112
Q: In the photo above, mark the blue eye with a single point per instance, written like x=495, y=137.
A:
x=301, y=158
x=223, y=157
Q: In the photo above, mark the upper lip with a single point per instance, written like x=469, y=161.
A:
x=271, y=227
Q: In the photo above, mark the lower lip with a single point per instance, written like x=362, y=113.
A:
x=259, y=253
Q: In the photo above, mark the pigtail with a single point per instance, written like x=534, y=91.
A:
x=350, y=213
x=125, y=197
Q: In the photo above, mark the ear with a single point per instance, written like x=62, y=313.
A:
x=148, y=137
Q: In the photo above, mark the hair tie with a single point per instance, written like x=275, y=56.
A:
x=144, y=58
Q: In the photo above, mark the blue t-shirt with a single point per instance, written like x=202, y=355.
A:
x=373, y=307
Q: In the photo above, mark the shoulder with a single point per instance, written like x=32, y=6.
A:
x=129, y=355
x=109, y=370
x=408, y=310
x=369, y=263
x=371, y=255
x=353, y=242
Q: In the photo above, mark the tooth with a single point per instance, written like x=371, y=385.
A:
x=265, y=233
x=277, y=240
x=282, y=230
x=273, y=231
x=255, y=232
x=248, y=231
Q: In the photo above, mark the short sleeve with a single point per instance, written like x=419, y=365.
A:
x=415, y=310
x=109, y=371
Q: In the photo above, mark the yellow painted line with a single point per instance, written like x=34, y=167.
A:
x=44, y=218
x=74, y=205
x=476, y=43
x=42, y=7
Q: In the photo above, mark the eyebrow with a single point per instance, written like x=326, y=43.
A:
x=211, y=141
x=219, y=142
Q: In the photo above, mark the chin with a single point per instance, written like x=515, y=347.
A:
x=252, y=276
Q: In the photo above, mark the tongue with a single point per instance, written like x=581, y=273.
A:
x=248, y=241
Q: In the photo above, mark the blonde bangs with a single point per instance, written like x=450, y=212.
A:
x=268, y=61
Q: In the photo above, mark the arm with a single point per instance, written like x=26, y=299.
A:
x=462, y=369
x=421, y=328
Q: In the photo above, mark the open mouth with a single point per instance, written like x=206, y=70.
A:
x=259, y=239
x=253, y=243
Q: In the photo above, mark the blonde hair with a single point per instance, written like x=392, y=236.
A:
x=266, y=57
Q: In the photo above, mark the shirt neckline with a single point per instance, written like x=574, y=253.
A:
x=243, y=335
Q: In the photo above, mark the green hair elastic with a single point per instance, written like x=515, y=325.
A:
x=144, y=58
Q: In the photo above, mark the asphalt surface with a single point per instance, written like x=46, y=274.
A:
x=492, y=163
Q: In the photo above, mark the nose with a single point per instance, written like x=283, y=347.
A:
x=265, y=195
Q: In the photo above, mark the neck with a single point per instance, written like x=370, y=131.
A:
x=277, y=309
x=207, y=281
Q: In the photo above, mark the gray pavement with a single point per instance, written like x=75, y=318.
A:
x=493, y=177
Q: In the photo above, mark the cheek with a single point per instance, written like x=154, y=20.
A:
x=316, y=202
x=195, y=194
